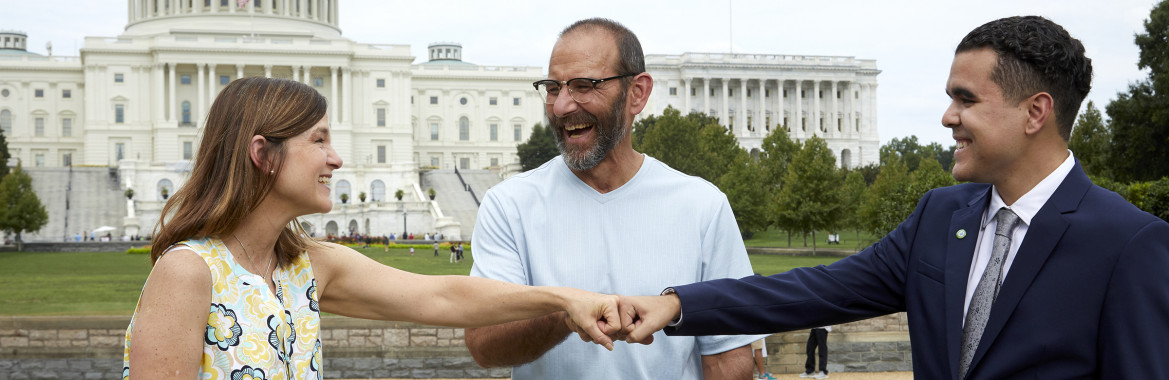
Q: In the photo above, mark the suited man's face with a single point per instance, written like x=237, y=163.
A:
x=988, y=129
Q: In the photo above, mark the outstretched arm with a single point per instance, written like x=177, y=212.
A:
x=516, y=343
x=354, y=285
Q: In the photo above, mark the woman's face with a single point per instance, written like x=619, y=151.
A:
x=304, y=181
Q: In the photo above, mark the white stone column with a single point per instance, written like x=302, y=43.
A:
x=722, y=114
x=686, y=95
x=239, y=71
x=173, y=103
x=872, y=127
x=706, y=95
x=333, y=93
x=779, y=86
x=296, y=73
x=303, y=8
x=130, y=11
x=832, y=121
x=212, y=84
x=200, y=99
x=762, y=111
x=214, y=6
x=346, y=94
x=159, y=92
x=308, y=75
x=742, y=114
x=333, y=12
x=267, y=71
x=816, y=118
x=798, y=121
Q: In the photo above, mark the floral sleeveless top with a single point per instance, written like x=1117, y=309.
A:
x=252, y=333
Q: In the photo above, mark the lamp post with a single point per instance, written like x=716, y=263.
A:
x=403, y=221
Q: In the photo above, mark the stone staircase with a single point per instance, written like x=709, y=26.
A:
x=454, y=198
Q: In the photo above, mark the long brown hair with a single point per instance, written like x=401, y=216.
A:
x=224, y=185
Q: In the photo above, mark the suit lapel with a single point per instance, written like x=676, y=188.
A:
x=959, y=254
x=1044, y=233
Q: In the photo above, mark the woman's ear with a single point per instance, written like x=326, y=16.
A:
x=258, y=152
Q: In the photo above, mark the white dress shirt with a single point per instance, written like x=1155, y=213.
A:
x=1026, y=207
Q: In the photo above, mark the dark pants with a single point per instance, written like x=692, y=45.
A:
x=817, y=338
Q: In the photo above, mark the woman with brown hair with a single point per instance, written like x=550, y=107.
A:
x=237, y=288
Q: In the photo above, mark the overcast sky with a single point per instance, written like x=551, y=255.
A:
x=912, y=41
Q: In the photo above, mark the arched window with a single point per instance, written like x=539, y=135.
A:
x=845, y=158
x=377, y=190
x=186, y=112
x=464, y=129
x=331, y=228
x=308, y=228
x=352, y=226
x=6, y=122
x=165, y=189
x=343, y=188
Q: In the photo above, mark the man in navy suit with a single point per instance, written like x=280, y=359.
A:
x=1083, y=291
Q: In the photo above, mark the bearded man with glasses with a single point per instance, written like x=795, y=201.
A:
x=604, y=217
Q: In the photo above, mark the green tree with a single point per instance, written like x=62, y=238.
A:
x=928, y=176
x=20, y=209
x=1140, y=118
x=4, y=156
x=887, y=202
x=1090, y=141
x=540, y=147
x=747, y=196
x=852, y=196
x=703, y=150
x=777, y=153
x=810, y=199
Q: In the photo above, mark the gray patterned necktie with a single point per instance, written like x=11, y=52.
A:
x=988, y=288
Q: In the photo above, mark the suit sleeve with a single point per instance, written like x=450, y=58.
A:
x=865, y=285
x=1134, y=327
x=494, y=246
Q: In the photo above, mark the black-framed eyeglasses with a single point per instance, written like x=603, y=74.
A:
x=580, y=89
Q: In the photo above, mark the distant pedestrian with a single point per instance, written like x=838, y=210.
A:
x=436, y=249
x=817, y=339
x=411, y=251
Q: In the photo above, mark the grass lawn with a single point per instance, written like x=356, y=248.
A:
x=108, y=283
x=777, y=238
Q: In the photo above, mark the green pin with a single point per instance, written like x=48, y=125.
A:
x=961, y=233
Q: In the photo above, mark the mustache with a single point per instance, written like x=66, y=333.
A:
x=573, y=119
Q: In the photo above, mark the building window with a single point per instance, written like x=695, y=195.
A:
x=381, y=117
x=515, y=101
x=381, y=154
x=118, y=78
x=494, y=161
x=6, y=122
x=224, y=79
x=517, y=132
x=493, y=101
x=185, y=79
x=464, y=163
x=464, y=129
x=188, y=150
x=838, y=94
x=38, y=93
x=381, y=83
x=803, y=94
x=785, y=92
x=494, y=132
x=433, y=131
x=318, y=82
x=730, y=92
x=119, y=151
x=377, y=191
x=463, y=101
x=67, y=127
x=4, y=93
x=693, y=91
x=712, y=92
x=186, y=113
x=433, y=100
x=748, y=93
x=39, y=127
x=119, y=113
x=67, y=159
x=40, y=159
x=767, y=93
x=673, y=91
x=67, y=93
x=434, y=161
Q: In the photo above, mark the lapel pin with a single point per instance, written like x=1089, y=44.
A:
x=961, y=233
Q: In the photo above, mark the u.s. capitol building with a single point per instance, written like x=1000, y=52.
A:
x=128, y=112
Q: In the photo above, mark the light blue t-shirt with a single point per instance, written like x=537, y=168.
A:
x=662, y=228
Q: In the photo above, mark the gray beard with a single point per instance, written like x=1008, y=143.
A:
x=608, y=136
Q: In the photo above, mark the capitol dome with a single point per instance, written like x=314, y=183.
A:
x=313, y=18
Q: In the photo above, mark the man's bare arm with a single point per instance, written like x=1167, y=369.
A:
x=735, y=364
x=518, y=342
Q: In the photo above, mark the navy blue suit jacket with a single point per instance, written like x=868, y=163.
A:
x=1087, y=296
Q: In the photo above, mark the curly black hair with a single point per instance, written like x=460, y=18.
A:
x=1036, y=55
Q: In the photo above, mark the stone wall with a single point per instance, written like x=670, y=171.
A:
x=91, y=348
x=873, y=345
